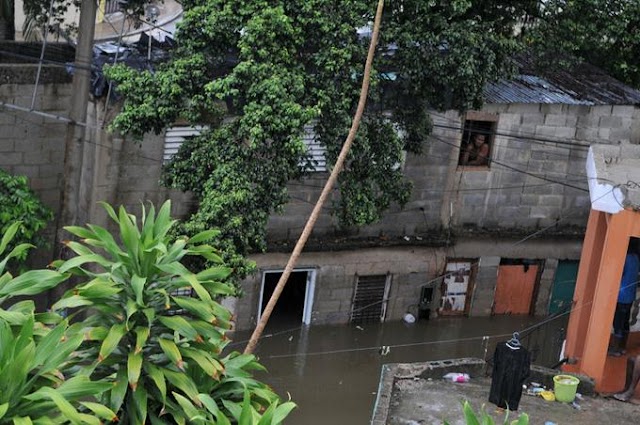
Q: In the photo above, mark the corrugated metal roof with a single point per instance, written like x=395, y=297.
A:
x=582, y=84
x=530, y=89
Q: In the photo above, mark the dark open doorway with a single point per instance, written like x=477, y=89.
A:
x=290, y=309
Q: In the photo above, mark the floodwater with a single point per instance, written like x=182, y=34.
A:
x=332, y=372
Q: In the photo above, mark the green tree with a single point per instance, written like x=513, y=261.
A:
x=276, y=66
x=19, y=203
x=605, y=33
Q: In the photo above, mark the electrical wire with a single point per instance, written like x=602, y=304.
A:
x=431, y=281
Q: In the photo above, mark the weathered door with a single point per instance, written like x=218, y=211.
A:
x=457, y=287
x=515, y=288
x=564, y=284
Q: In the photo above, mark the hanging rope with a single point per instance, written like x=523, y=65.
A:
x=325, y=191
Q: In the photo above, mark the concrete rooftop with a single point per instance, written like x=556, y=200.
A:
x=412, y=394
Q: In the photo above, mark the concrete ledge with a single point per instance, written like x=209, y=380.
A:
x=544, y=376
x=408, y=375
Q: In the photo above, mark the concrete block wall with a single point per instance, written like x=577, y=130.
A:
x=410, y=268
x=508, y=194
x=31, y=144
x=125, y=172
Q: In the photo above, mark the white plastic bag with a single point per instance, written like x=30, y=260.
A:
x=457, y=377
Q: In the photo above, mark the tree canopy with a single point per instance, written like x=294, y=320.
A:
x=256, y=72
x=605, y=33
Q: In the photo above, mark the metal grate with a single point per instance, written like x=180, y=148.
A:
x=111, y=6
x=369, y=301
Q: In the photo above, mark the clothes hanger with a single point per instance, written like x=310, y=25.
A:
x=514, y=342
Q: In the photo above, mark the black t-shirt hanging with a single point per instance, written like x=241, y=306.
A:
x=510, y=370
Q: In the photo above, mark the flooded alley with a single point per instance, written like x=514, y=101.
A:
x=332, y=372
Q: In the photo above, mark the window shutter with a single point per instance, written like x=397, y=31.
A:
x=174, y=137
x=315, y=150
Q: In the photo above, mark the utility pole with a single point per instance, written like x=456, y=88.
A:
x=71, y=212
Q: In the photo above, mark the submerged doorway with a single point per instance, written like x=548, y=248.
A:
x=296, y=301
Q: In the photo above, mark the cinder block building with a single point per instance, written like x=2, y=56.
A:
x=500, y=237
x=503, y=237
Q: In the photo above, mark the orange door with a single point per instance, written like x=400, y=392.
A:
x=514, y=289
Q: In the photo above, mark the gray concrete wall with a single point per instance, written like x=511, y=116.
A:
x=31, y=144
x=514, y=193
x=121, y=171
x=410, y=268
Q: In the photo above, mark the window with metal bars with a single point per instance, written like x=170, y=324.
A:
x=370, y=299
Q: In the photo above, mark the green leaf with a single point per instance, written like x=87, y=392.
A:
x=469, y=415
x=204, y=236
x=80, y=232
x=61, y=354
x=158, y=378
x=140, y=398
x=100, y=411
x=83, y=259
x=246, y=417
x=204, y=360
x=184, y=383
x=32, y=282
x=193, y=415
x=180, y=325
x=282, y=411
x=142, y=335
x=134, y=366
x=61, y=403
x=119, y=390
x=137, y=283
x=112, y=340
x=9, y=233
x=172, y=352
x=78, y=387
x=72, y=301
x=3, y=409
x=210, y=404
x=49, y=343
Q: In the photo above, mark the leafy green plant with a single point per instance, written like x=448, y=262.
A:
x=19, y=203
x=156, y=328
x=36, y=353
x=483, y=418
x=26, y=284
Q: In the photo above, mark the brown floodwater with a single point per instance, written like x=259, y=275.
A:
x=332, y=372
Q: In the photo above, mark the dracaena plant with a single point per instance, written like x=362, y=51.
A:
x=37, y=354
x=157, y=329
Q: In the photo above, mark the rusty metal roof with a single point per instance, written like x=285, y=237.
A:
x=582, y=84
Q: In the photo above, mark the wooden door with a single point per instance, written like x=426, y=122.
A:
x=515, y=288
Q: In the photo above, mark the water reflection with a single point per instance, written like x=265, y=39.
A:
x=332, y=372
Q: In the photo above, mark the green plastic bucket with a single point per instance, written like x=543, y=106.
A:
x=565, y=387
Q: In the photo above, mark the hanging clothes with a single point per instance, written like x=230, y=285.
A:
x=510, y=369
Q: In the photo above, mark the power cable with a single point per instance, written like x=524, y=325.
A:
x=436, y=279
x=492, y=161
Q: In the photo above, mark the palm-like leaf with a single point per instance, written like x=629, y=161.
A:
x=157, y=328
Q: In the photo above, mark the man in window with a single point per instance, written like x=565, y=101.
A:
x=476, y=152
